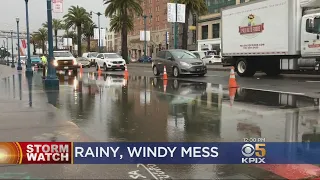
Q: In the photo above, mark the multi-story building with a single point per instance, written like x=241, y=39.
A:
x=158, y=26
x=110, y=41
x=209, y=29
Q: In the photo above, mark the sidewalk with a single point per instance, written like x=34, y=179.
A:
x=28, y=113
x=209, y=67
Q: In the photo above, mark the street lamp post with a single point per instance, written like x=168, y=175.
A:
x=99, y=14
x=19, y=59
x=7, y=51
x=51, y=81
x=145, y=35
x=29, y=69
x=12, y=60
x=176, y=26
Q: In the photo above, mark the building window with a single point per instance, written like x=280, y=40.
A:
x=158, y=8
x=215, y=30
x=214, y=6
x=204, y=30
x=157, y=18
x=242, y=1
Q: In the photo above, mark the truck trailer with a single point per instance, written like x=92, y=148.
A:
x=272, y=36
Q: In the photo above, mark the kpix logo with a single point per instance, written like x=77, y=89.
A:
x=254, y=154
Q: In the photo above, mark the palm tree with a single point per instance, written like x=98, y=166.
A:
x=77, y=16
x=42, y=36
x=56, y=26
x=198, y=7
x=35, y=42
x=88, y=32
x=121, y=13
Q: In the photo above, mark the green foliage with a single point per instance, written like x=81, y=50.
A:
x=122, y=13
x=76, y=16
x=88, y=29
x=117, y=22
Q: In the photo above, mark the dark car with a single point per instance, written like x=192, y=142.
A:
x=142, y=59
x=178, y=62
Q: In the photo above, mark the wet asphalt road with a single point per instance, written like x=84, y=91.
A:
x=109, y=108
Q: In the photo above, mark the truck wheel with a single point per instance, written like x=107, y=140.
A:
x=245, y=68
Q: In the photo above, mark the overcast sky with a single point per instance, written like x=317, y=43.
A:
x=10, y=9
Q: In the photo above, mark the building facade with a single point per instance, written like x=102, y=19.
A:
x=159, y=27
x=110, y=41
x=209, y=28
x=156, y=23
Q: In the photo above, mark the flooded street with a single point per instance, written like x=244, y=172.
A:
x=110, y=108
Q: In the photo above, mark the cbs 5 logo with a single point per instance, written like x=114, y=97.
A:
x=249, y=150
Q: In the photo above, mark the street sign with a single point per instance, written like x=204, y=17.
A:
x=57, y=6
x=96, y=33
x=172, y=16
x=171, y=8
x=142, y=35
x=181, y=13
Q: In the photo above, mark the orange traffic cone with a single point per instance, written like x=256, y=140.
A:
x=232, y=94
x=232, y=79
x=165, y=83
x=81, y=69
x=126, y=74
x=99, y=71
x=165, y=76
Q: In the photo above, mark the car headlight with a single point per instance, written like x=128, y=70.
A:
x=185, y=64
x=55, y=62
x=75, y=62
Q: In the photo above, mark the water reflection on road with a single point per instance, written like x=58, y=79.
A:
x=112, y=108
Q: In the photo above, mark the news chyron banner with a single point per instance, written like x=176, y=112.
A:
x=158, y=153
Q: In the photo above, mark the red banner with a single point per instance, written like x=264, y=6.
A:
x=251, y=29
x=24, y=44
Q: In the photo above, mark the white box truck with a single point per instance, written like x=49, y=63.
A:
x=271, y=36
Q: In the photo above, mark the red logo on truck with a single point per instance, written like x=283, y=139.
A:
x=251, y=27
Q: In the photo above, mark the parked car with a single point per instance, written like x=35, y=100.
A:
x=212, y=59
x=178, y=62
x=143, y=59
x=110, y=61
x=199, y=54
x=91, y=56
x=64, y=60
x=85, y=62
x=36, y=61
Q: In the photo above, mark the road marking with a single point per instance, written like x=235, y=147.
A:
x=282, y=92
x=313, y=81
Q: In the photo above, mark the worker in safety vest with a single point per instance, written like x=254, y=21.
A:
x=44, y=60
